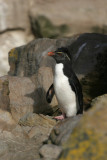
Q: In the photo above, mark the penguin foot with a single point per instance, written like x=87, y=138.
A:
x=61, y=117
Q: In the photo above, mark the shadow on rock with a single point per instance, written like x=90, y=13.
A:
x=40, y=104
x=95, y=83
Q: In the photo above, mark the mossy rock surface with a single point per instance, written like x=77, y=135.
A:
x=89, y=138
x=84, y=145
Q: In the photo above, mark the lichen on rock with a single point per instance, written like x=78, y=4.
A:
x=88, y=140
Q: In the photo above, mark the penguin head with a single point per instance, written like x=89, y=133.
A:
x=60, y=55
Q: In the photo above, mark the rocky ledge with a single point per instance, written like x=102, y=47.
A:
x=27, y=128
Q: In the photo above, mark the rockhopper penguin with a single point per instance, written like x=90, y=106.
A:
x=66, y=86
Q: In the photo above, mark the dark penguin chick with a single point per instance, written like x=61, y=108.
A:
x=66, y=86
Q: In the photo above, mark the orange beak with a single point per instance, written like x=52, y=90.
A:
x=51, y=53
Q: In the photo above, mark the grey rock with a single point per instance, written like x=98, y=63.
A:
x=99, y=102
x=20, y=11
x=63, y=129
x=27, y=59
x=50, y=151
x=23, y=143
x=42, y=80
x=3, y=148
x=4, y=93
x=85, y=52
x=21, y=95
x=20, y=148
x=8, y=40
x=41, y=126
x=46, y=159
x=79, y=20
x=28, y=94
x=43, y=27
x=6, y=120
x=20, y=103
x=33, y=119
x=11, y=11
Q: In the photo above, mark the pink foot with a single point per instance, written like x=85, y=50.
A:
x=60, y=117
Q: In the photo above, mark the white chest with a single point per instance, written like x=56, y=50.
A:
x=65, y=95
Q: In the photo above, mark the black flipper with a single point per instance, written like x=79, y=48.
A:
x=50, y=93
x=76, y=86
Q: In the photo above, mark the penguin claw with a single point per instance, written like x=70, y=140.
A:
x=61, y=117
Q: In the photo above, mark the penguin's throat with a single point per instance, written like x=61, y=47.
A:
x=59, y=69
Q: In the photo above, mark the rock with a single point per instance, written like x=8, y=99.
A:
x=42, y=80
x=80, y=47
x=25, y=98
x=78, y=24
x=8, y=15
x=25, y=141
x=3, y=148
x=15, y=143
x=63, y=129
x=50, y=151
x=26, y=92
x=98, y=103
x=88, y=140
x=42, y=27
x=7, y=123
x=33, y=119
x=85, y=51
x=20, y=102
x=41, y=126
x=9, y=40
x=22, y=95
x=19, y=148
x=4, y=93
x=89, y=58
x=27, y=59
x=6, y=117
x=80, y=15
x=46, y=159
